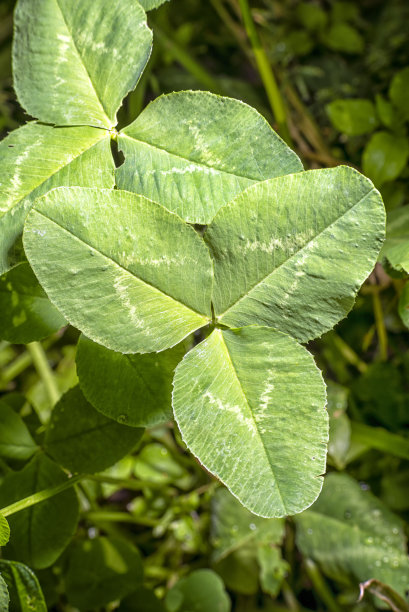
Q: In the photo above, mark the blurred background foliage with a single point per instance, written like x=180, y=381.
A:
x=332, y=77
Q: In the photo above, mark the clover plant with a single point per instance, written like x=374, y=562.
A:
x=208, y=255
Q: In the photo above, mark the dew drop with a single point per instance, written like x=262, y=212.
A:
x=310, y=531
x=123, y=418
x=253, y=527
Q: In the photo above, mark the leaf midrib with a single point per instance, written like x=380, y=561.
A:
x=191, y=161
x=16, y=203
x=113, y=261
x=22, y=445
x=79, y=434
x=94, y=89
x=293, y=255
x=230, y=361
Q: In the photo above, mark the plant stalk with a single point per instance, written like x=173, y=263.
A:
x=42, y=366
x=321, y=587
x=39, y=497
x=380, y=326
x=187, y=61
x=266, y=73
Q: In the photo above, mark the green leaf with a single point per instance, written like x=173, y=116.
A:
x=129, y=274
x=100, y=571
x=27, y=313
x=4, y=595
x=15, y=439
x=343, y=37
x=399, y=91
x=292, y=252
x=238, y=539
x=353, y=117
x=381, y=439
x=40, y=533
x=395, y=489
x=404, y=305
x=385, y=156
x=148, y=5
x=156, y=465
x=201, y=591
x=233, y=394
x=240, y=570
x=4, y=531
x=339, y=424
x=396, y=247
x=25, y=591
x=82, y=440
x=89, y=56
x=233, y=526
x=36, y=158
x=273, y=569
x=131, y=389
x=350, y=532
x=311, y=16
x=207, y=151
x=387, y=113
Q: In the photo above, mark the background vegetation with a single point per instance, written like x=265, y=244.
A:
x=333, y=79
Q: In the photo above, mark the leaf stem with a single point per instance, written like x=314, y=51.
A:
x=321, y=587
x=126, y=483
x=42, y=366
x=18, y=366
x=22, y=362
x=39, y=497
x=187, y=61
x=119, y=517
x=380, y=326
x=266, y=72
x=348, y=353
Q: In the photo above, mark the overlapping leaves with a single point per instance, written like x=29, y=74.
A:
x=352, y=533
x=285, y=251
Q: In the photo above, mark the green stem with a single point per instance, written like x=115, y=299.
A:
x=348, y=353
x=38, y=497
x=232, y=25
x=42, y=366
x=321, y=587
x=187, y=61
x=266, y=73
x=119, y=517
x=22, y=362
x=126, y=483
x=380, y=326
x=289, y=597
